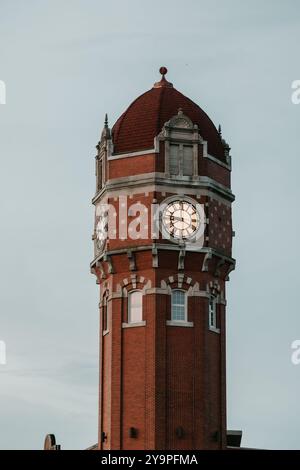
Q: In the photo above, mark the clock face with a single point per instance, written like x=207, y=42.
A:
x=101, y=231
x=181, y=220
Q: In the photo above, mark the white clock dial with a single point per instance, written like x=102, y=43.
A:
x=101, y=231
x=181, y=219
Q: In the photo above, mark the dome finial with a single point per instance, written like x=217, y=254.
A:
x=163, y=71
x=163, y=82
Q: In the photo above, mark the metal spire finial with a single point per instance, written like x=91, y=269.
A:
x=106, y=121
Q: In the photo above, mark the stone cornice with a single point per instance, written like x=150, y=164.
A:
x=119, y=156
x=159, y=181
x=209, y=253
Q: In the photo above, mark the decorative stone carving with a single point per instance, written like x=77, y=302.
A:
x=131, y=257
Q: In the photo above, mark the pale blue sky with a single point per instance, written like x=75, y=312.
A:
x=66, y=63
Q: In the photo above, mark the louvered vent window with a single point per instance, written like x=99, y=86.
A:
x=187, y=160
x=181, y=160
x=174, y=159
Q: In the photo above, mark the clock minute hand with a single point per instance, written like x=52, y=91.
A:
x=181, y=219
x=175, y=219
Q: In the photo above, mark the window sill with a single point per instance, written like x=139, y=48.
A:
x=214, y=330
x=185, y=324
x=133, y=325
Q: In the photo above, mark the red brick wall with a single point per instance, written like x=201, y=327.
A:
x=106, y=386
x=157, y=378
x=180, y=386
x=133, y=386
x=131, y=166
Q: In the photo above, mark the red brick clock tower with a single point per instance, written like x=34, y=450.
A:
x=162, y=245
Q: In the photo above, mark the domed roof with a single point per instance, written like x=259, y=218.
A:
x=144, y=119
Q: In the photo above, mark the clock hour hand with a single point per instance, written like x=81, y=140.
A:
x=180, y=219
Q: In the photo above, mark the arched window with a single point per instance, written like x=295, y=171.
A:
x=135, y=306
x=179, y=305
x=105, y=313
x=212, y=312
